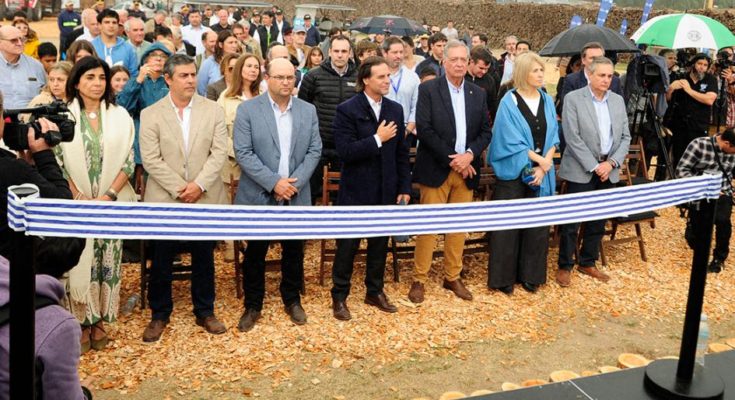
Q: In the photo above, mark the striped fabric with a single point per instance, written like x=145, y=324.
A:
x=112, y=220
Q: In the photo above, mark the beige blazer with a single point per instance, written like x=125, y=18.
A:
x=170, y=167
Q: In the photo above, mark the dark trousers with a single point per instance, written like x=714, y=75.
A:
x=292, y=272
x=344, y=259
x=517, y=255
x=202, y=277
x=680, y=139
x=593, y=230
x=723, y=226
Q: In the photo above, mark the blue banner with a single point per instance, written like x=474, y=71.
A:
x=605, y=6
x=624, y=26
x=646, y=11
x=576, y=21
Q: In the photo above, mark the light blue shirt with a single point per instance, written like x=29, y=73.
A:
x=604, y=123
x=284, y=124
x=21, y=81
x=404, y=90
x=208, y=74
x=460, y=120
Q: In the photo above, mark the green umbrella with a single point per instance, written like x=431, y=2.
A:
x=679, y=31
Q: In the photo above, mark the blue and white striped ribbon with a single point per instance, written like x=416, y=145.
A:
x=112, y=220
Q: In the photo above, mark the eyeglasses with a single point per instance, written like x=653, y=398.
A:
x=159, y=57
x=18, y=40
x=284, y=78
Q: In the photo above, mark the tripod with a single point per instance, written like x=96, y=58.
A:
x=655, y=121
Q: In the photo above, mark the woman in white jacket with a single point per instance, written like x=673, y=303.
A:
x=98, y=164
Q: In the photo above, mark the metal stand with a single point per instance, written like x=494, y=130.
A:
x=22, y=315
x=668, y=379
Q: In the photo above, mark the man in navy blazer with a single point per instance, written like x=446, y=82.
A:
x=369, y=137
x=453, y=129
x=277, y=144
x=579, y=79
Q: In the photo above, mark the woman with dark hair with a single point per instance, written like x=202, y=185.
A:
x=104, y=131
x=314, y=58
x=209, y=72
x=119, y=77
x=80, y=49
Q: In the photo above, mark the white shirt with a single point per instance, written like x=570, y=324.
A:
x=604, y=123
x=531, y=103
x=284, y=124
x=279, y=39
x=376, y=106
x=194, y=36
x=460, y=121
x=404, y=89
x=184, y=119
x=450, y=33
x=507, y=70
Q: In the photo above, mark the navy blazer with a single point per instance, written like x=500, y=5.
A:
x=578, y=80
x=437, y=132
x=370, y=175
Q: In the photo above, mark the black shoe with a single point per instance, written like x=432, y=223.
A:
x=529, y=287
x=248, y=320
x=506, y=289
x=297, y=313
x=715, y=266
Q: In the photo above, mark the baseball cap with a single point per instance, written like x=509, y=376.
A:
x=299, y=28
x=99, y=3
x=279, y=12
x=288, y=31
x=307, y=16
x=185, y=8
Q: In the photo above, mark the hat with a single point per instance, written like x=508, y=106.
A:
x=68, y=2
x=279, y=12
x=255, y=13
x=424, y=36
x=299, y=29
x=100, y=3
x=307, y=16
x=287, y=31
x=185, y=8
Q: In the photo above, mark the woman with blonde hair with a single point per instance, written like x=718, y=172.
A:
x=525, y=139
x=245, y=79
x=30, y=38
x=104, y=131
x=55, y=88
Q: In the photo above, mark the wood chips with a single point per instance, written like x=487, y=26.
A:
x=199, y=361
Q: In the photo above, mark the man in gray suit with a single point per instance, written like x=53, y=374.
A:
x=596, y=130
x=277, y=145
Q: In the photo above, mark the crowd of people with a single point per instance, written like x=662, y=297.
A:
x=189, y=104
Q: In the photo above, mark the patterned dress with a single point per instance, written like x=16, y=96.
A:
x=103, y=298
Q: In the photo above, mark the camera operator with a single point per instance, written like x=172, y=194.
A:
x=726, y=69
x=690, y=104
x=15, y=171
x=713, y=155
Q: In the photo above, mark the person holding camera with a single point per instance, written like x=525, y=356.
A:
x=37, y=166
x=104, y=131
x=713, y=155
x=690, y=105
x=57, y=331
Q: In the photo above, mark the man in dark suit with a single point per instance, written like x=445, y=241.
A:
x=369, y=135
x=453, y=130
x=267, y=32
x=580, y=79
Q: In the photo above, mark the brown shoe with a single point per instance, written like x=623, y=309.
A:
x=154, y=330
x=212, y=325
x=340, y=310
x=248, y=320
x=416, y=294
x=563, y=277
x=86, y=342
x=595, y=273
x=458, y=289
x=381, y=302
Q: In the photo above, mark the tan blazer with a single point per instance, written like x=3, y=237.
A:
x=169, y=166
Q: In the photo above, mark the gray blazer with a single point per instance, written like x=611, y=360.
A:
x=582, y=135
x=257, y=150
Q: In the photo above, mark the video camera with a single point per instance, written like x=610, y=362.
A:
x=16, y=131
x=724, y=60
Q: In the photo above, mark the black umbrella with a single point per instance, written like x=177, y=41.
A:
x=571, y=41
x=393, y=24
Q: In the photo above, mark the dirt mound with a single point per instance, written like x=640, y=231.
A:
x=537, y=23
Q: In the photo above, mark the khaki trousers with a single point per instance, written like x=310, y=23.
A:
x=453, y=190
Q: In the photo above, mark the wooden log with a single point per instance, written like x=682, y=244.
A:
x=533, y=382
x=562, y=375
x=730, y=342
x=452, y=396
x=718, y=348
x=608, y=368
x=506, y=386
x=481, y=392
x=587, y=373
x=629, y=360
